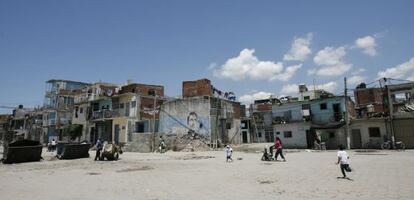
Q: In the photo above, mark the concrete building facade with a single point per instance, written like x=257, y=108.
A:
x=202, y=115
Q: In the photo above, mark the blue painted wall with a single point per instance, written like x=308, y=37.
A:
x=295, y=110
x=327, y=115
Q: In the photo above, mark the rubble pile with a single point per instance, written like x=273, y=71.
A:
x=196, y=145
x=190, y=143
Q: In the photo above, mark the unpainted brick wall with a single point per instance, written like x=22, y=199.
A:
x=373, y=96
x=143, y=89
x=200, y=87
x=147, y=102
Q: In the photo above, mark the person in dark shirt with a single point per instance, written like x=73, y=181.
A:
x=99, y=147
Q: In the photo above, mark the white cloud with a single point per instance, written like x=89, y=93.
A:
x=294, y=88
x=358, y=71
x=288, y=73
x=212, y=66
x=357, y=79
x=246, y=65
x=300, y=49
x=330, y=86
x=290, y=89
x=331, y=61
x=249, y=98
x=398, y=71
x=334, y=70
x=330, y=56
x=312, y=71
x=411, y=78
x=367, y=44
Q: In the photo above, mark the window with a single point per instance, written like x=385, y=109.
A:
x=306, y=97
x=115, y=105
x=140, y=127
x=287, y=134
x=95, y=106
x=228, y=125
x=80, y=110
x=151, y=92
x=331, y=135
x=278, y=133
x=323, y=106
x=374, y=132
x=76, y=112
x=305, y=106
x=121, y=105
x=133, y=104
x=244, y=125
x=259, y=134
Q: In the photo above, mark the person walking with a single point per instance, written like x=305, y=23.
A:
x=162, y=145
x=229, y=152
x=279, y=149
x=343, y=160
x=99, y=147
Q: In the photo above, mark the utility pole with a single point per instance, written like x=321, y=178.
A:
x=390, y=116
x=255, y=127
x=153, y=122
x=348, y=139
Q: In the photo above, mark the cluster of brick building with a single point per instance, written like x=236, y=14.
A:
x=134, y=114
x=137, y=115
x=378, y=115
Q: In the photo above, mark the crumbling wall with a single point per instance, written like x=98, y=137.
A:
x=186, y=123
x=225, y=121
x=140, y=142
x=374, y=96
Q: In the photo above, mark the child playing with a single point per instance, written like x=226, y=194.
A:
x=343, y=158
x=229, y=151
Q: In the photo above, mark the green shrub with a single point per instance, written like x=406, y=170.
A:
x=73, y=131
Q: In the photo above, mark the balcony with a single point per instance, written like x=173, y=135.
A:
x=81, y=99
x=104, y=114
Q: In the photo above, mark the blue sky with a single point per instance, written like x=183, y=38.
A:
x=254, y=48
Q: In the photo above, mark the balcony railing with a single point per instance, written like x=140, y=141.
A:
x=105, y=114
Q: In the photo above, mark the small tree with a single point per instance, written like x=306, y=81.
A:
x=73, y=131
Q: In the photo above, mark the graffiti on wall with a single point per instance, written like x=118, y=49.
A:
x=180, y=125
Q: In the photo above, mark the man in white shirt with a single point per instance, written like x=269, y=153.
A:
x=343, y=159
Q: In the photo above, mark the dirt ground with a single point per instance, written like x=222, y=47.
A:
x=206, y=175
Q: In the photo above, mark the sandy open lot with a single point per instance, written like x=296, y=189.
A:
x=206, y=175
